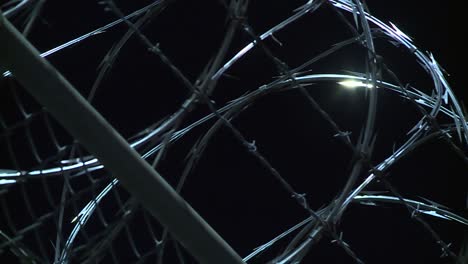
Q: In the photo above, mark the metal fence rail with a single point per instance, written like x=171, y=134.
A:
x=54, y=92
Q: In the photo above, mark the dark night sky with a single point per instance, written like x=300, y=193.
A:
x=229, y=188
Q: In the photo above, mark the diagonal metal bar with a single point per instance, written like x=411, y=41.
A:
x=82, y=121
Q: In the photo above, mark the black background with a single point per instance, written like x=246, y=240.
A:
x=229, y=188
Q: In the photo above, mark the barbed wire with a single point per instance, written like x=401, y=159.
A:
x=76, y=186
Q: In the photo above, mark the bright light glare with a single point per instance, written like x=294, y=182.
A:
x=354, y=84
